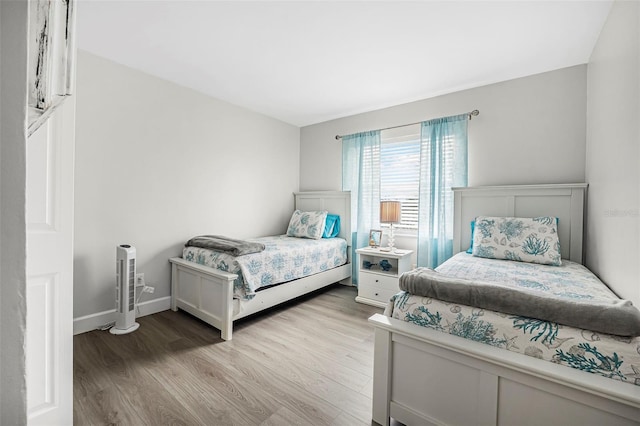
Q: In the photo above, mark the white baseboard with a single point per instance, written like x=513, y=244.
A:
x=97, y=320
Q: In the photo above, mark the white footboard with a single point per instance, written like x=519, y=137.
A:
x=425, y=377
x=203, y=292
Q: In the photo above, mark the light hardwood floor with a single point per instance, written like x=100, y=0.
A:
x=308, y=362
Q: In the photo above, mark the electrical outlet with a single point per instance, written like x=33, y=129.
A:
x=140, y=279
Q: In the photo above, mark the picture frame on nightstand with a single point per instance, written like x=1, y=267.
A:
x=375, y=237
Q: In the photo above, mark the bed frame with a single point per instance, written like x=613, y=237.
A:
x=426, y=377
x=207, y=293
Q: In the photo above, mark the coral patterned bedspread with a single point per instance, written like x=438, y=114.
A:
x=610, y=356
x=283, y=259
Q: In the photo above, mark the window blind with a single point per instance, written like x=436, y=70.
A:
x=400, y=173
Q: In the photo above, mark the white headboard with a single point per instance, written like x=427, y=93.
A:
x=564, y=201
x=335, y=202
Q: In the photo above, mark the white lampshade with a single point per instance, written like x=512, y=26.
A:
x=390, y=211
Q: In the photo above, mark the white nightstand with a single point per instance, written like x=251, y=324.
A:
x=375, y=285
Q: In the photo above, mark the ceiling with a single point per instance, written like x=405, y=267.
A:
x=305, y=62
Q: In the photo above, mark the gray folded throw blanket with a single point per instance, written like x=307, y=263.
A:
x=225, y=244
x=616, y=316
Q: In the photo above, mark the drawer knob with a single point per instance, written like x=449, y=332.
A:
x=377, y=281
x=377, y=294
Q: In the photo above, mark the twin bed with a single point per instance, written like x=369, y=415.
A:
x=219, y=288
x=440, y=362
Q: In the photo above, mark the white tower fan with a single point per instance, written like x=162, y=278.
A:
x=125, y=290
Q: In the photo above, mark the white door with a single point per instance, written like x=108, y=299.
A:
x=49, y=335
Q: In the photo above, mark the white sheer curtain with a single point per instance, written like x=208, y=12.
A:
x=361, y=176
x=443, y=165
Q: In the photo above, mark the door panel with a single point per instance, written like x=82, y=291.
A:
x=41, y=180
x=42, y=341
x=50, y=269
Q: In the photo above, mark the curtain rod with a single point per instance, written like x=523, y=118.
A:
x=473, y=113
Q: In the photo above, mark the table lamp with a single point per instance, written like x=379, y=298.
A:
x=390, y=213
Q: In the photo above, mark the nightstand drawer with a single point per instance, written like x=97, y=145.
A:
x=376, y=293
x=380, y=281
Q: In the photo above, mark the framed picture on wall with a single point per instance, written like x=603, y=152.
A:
x=375, y=236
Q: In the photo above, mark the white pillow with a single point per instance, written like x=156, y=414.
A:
x=533, y=240
x=307, y=224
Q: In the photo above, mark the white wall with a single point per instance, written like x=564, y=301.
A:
x=13, y=172
x=613, y=153
x=157, y=164
x=530, y=130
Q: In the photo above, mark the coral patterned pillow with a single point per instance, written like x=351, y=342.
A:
x=533, y=240
x=307, y=224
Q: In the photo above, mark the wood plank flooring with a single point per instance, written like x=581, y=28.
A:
x=308, y=362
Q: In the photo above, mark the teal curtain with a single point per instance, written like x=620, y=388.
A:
x=361, y=176
x=443, y=165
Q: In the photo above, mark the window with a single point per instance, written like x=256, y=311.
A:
x=416, y=165
x=400, y=172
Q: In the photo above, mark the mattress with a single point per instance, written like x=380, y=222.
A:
x=284, y=259
x=607, y=355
